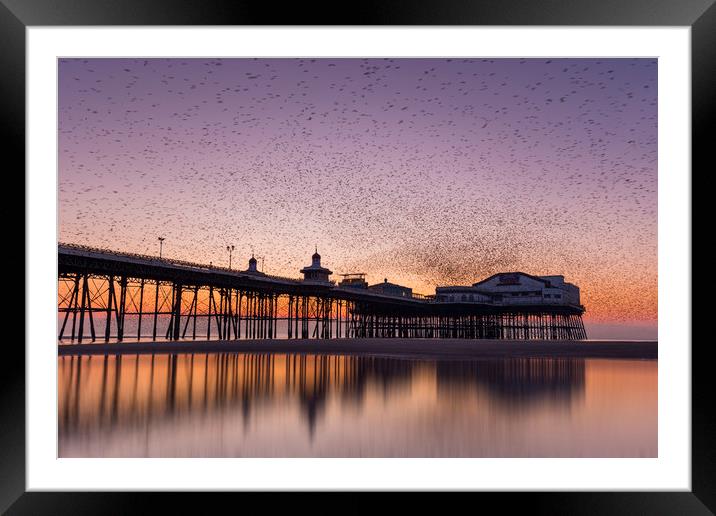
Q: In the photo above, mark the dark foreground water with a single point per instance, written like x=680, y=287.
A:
x=283, y=405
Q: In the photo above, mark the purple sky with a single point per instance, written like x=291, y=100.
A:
x=424, y=171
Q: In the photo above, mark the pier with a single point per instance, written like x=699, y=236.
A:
x=106, y=296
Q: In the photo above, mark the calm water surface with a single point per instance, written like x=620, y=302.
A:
x=283, y=405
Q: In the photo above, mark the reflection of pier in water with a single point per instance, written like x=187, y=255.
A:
x=519, y=380
x=104, y=392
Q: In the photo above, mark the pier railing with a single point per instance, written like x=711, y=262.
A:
x=171, y=261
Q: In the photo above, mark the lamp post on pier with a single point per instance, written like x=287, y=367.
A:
x=230, y=248
x=161, y=244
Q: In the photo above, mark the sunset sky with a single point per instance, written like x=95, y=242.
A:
x=423, y=171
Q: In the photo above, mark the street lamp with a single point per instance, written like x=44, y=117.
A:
x=161, y=244
x=230, y=248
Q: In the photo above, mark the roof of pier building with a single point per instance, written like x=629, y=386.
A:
x=520, y=280
x=461, y=293
x=353, y=280
x=316, y=272
x=252, y=267
x=511, y=288
x=391, y=289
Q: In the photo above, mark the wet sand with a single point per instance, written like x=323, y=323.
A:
x=458, y=349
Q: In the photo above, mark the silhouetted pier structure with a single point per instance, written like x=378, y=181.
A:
x=101, y=291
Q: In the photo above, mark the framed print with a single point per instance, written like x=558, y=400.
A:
x=430, y=248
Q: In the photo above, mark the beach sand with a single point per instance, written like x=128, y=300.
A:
x=458, y=349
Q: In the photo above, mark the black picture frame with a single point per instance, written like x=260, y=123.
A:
x=17, y=15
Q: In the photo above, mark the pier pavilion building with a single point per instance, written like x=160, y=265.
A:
x=315, y=272
x=353, y=280
x=513, y=288
x=252, y=267
x=391, y=289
